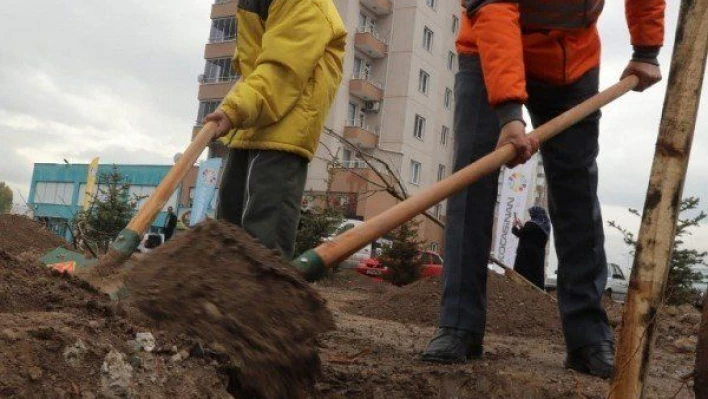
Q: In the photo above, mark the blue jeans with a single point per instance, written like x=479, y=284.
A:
x=569, y=160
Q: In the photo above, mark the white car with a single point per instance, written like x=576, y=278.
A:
x=371, y=250
x=617, y=283
x=616, y=286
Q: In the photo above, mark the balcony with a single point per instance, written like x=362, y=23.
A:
x=211, y=91
x=220, y=49
x=361, y=135
x=379, y=7
x=366, y=89
x=368, y=41
x=224, y=9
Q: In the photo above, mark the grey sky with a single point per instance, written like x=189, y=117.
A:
x=117, y=80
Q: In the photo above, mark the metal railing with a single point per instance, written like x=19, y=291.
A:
x=374, y=33
x=364, y=76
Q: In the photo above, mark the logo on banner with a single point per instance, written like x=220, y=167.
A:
x=517, y=182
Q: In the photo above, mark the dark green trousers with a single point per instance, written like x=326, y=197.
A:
x=262, y=191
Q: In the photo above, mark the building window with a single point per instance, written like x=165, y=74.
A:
x=434, y=246
x=423, y=81
x=427, y=39
x=448, y=98
x=222, y=29
x=432, y=3
x=366, y=23
x=362, y=69
x=54, y=193
x=444, y=132
x=415, y=172
x=206, y=108
x=219, y=70
x=450, y=60
x=455, y=23
x=351, y=114
x=419, y=128
x=441, y=172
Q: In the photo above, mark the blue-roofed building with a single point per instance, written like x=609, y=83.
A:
x=57, y=191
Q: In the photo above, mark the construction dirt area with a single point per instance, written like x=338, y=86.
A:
x=59, y=338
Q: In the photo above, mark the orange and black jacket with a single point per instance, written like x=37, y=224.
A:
x=555, y=41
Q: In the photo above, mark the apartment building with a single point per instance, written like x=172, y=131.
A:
x=395, y=103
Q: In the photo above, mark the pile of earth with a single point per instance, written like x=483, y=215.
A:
x=26, y=238
x=512, y=309
x=217, y=283
x=60, y=339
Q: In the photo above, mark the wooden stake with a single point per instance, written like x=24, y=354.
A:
x=661, y=209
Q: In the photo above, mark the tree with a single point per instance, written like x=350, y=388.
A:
x=402, y=258
x=681, y=278
x=315, y=225
x=111, y=210
x=5, y=198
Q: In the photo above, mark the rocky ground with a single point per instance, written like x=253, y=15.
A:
x=61, y=339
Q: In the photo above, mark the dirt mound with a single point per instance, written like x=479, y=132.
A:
x=512, y=309
x=59, y=339
x=26, y=238
x=219, y=284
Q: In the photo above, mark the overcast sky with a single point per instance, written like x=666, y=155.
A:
x=118, y=79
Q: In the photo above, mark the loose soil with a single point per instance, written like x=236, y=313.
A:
x=26, y=238
x=374, y=352
x=55, y=334
x=513, y=310
x=61, y=339
x=217, y=283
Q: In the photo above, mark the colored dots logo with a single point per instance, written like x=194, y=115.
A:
x=517, y=182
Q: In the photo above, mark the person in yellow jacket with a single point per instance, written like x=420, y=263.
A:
x=289, y=56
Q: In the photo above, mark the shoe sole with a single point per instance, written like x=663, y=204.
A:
x=448, y=360
x=585, y=370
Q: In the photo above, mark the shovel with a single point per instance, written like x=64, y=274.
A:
x=128, y=240
x=314, y=263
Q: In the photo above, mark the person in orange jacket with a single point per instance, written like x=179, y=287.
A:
x=544, y=54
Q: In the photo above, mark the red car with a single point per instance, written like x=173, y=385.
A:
x=432, y=266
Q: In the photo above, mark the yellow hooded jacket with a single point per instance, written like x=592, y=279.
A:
x=289, y=55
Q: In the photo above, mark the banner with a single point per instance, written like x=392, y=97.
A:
x=516, y=185
x=91, y=186
x=207, y=183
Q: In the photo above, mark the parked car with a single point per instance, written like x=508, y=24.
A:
x=371, y=250
x=151, y=241
x=616, y=287
x=617, y=283
x=432, y=266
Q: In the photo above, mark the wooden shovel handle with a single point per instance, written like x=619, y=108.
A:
x=154, y=204
x=340, y=247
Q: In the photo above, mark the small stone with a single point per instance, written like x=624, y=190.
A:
x=9, y=335
x=87, y=395
x=146, y=341
x=74, y=354
x=183, y=354
x=116, y=375
x=96, y=324
x=686, y=345
x=35, y=373
x=176, y=358
x=173, y=349
x=212, y=311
